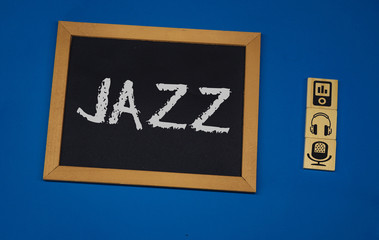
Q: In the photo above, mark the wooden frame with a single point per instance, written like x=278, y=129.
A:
x=245, y=183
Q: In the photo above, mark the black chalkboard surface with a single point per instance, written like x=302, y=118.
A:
x=154, y=106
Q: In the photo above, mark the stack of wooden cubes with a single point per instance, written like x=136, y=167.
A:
x=321, y=124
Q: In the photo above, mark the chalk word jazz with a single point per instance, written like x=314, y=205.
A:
x=180, y=90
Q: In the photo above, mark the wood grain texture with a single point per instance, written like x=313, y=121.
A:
x=159, y=34
x=245, y=183
x=58, y=93
x=251, y=105
x=149, y=178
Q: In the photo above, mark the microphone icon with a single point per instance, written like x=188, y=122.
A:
x=320, y=153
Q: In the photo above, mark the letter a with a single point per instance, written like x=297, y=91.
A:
x=102, y=103
x=119, y=107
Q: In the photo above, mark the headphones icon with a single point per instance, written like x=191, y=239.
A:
x=327, y=128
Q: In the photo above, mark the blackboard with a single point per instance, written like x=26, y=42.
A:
x=154, y=106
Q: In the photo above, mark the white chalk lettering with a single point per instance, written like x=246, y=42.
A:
x=101, y=105
x=223, y=94
x=180, y=91
x=119, y=107
x=127, y=94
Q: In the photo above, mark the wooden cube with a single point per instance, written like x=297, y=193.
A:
x=321, y=123
x=320, y=154
x=322, y=93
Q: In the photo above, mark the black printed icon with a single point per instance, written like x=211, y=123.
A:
x=322, y=93
x=320, y=153
x=327, y=127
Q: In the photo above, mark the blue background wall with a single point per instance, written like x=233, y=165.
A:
x=300, y=39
